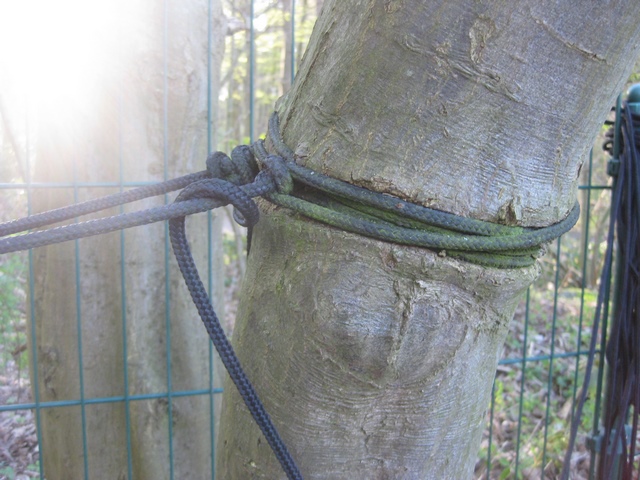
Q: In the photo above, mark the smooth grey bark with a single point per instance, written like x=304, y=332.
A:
x=504, y=93
x=150, y=110
x=376, y=360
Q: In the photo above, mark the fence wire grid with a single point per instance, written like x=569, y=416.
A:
x=538, y=377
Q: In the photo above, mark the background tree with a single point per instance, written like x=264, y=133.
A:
x=376, y=360
x=148, y=122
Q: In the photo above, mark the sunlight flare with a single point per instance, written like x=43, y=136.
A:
x=53, y=54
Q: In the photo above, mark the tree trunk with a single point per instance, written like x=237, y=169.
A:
x=148, y=121
x=376, y=360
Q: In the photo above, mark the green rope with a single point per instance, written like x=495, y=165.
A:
x=391, y=219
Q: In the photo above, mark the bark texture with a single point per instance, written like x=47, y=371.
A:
x=375, y=360
x=461, y=106
x=150, y=117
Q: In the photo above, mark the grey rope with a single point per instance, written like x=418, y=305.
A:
x=229, y=193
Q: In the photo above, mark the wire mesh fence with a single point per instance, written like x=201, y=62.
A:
x=542, y=367
x=259, y=45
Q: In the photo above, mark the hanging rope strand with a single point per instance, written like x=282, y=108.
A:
x=212, y=324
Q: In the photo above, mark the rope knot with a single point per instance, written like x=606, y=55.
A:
x=240, y=169
x=245, y=210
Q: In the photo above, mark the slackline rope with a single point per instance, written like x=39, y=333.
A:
x=282, y=181
x=314, y=195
